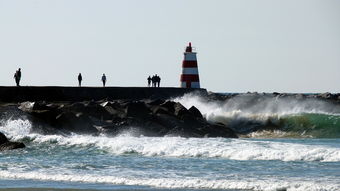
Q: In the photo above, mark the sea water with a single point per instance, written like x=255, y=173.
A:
x=298, y=160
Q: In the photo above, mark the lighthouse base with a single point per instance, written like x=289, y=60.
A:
x=190, y=85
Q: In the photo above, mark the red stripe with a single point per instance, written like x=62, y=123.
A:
x=189, y=64
x=189, y=78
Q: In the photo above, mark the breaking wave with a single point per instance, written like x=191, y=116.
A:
x=261, y=116
x=195, y=183
x=233, y=149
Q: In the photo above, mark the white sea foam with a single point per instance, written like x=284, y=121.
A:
x=234, y=149
x=198, y=183
x=15, y=129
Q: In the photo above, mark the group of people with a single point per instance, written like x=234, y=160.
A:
x=80, y=78
x=156, y=80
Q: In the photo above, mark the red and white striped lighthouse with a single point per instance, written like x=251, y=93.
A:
x=189, y=77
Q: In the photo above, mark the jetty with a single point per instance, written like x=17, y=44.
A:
x=62, y=93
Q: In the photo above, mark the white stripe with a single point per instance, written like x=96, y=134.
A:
x=195, y=85
x=190, y=71
x=190, y=56
x=183, y=84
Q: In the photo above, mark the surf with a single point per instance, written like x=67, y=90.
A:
x=270, y=116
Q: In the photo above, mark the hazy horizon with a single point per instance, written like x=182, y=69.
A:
x=262, y=46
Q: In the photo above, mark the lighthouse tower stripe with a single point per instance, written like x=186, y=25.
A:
x=190, y=56
x=189, y=64
x=190, y=71
x=190, y=77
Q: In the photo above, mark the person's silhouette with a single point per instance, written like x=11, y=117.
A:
x=104, y=80
x=17, y=76
x=158, y=81
x=80, y=78
x=149, y=81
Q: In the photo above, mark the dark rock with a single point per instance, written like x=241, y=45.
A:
x=169, y=105
x=155, y=102
x=219, y=130
x=160, y=110
x=195, y=112
x=11, y=146
x=115, y=112
x=327, y=95
x=7, y=145
x=91, y=109
x=3, y=138
x=75, y=122
x=180, y=110
x=40, y=105
x=137, y=109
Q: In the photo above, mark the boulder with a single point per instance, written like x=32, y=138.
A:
x=7, y=145
x=169, y=105
x=219, y=130
x=11, y=146
x=180, y=110
x=3, y=138
x=75, y=122
x=195, y=112
x=137, y=109
x=91, y=109
x=155, y=102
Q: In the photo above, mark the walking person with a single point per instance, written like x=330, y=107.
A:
x=17, y=76
x=104, y=80
x=149, y=81
x=80, y=78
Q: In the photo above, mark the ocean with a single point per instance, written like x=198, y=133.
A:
x=301, y=153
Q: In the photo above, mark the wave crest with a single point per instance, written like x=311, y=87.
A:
x=247, y=114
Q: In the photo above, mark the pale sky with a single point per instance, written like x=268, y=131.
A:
x=242, y=45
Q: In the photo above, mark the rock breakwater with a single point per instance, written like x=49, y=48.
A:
x=144, y=117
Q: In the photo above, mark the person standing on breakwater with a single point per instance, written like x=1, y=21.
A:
x=149, y=81
x=80, y=78
x=104, y=80
x=158, y=80
x=153, y=79
x=17, y=76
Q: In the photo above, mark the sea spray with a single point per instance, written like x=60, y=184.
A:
x=289, y=117
x=15, y=129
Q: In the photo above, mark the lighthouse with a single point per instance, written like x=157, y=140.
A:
x=189, y=77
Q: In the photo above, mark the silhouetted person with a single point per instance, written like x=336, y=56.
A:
x=158, y=81
x=17, y=76
x=80, y=78
x=149, y=81
x=153, y=79
x=104, y=80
